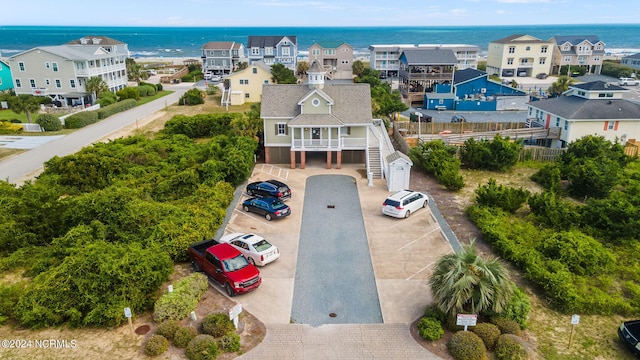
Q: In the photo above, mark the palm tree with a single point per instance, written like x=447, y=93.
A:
x=466, y=282
x=25, y=103
x=95, y=85
x=560, y=86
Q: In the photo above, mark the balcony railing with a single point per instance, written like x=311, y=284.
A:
x=344, y=143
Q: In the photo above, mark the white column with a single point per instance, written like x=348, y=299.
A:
x=329, y=139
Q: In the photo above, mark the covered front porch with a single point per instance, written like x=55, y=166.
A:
x=332, y=140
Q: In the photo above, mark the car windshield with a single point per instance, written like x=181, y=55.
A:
x=262, y=245
x=236, y=263
x=278, y=205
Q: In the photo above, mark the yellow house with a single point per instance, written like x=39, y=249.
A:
x=519, y=55
x=246, y=85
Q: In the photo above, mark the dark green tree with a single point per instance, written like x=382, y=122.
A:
x=358, y=67
x=96, y=85
x=280, y=74
x=192, y=97
x=28, y=104
x=561, y=85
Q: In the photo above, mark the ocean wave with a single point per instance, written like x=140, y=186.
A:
x=621, y=51
x=10, y=51
x=143, y=53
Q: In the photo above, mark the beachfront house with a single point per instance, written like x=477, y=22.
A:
x=222, y=57
x=246, y=85
x=274, y=50
x=474, y=91
x=329, y=123
x=6, y=81
x=426, y=70
x=61, y=72
x=519, y=55
x=577, y=51
x=631, y=61
x=593, y=108
x=336, y=57
x=386, y=58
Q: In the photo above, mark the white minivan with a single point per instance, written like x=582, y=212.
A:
x=404, y=203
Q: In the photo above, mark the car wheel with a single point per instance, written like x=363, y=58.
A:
x=229, y=290
x=250, y=192
x=253, y=262
x=267, y=216
x=425, y=203
x=406, y=215
x=245, y=208
x=196, y=266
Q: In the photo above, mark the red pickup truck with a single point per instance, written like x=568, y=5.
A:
x=225, y=265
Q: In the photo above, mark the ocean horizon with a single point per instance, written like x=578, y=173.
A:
x=619, y=39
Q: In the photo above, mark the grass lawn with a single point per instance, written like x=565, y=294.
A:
x=7, y=114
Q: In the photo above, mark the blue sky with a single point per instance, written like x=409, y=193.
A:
x=318, y=12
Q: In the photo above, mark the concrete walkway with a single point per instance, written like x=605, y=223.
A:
x=353, y=341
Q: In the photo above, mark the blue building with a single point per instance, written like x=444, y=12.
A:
x=474, y=91
x=6, y=81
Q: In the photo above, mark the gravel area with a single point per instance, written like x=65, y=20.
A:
x=334, y=281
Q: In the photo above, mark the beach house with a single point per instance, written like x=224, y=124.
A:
x=336, y=58
x=593, y=108
x=331, y=123
x=222, y=57
x=519, y=55
x=61, y=72
x=246, y=85
x=274, y=50
x=425, y=70
x=631, y=61
x=6, y=81
x=577, y=51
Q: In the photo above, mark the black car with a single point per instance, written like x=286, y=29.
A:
x=629, y=334
x=268, y=206
x=273, y=188
x=541, y=76
x=413, y=117
x=457, y=118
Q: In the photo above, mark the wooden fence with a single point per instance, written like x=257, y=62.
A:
x=538, y=153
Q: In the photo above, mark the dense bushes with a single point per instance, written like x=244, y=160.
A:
x=200, y=126
x=107, y=98
x=49, y=122
x=507, y=326
x=489, y=333
x=128, y=93
x=168, y=328
x=146, y=90
x=430, y=328
x=8, y=128
x=434, y=157
x=500, y=154
x=202, y=347
x=80, y=119
x=500, y=196
x=192, y=97
x=9, y=296
x=184, y=298
x=229, y=342
x=465, y=345
x=184, y=335
x=509, y=348
x=616, y=70
x=217, y=324
x=120, y=106
x=156, y=345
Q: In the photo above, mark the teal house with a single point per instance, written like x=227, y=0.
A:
x=6, y=81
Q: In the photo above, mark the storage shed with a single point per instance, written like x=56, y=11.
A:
x=398, y=171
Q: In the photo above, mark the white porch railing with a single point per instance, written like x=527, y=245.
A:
x=343, y=143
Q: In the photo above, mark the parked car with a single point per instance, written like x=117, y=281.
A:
x=413, y=117
x=458, y=118
x=626, y=81
x=225, y=265
x=403, y=203
x=215, y=78
x=268, y=206
x=255, y=248
x=208, y=75
x=507, y=73
x=273, y=188
x=522, y=73
x=629, y=334
x=541, y=76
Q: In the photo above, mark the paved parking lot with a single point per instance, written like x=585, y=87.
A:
x=402, y=251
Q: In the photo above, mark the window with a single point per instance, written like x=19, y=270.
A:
x=58, y=83
x=255, y=70
x=567, y=59
x=224, y=52
x=566, y=125
x=315, y=102
x=32, y=82
x=255, y=51
x=55, y=66
x=329, y=51
x=528, y=48
x=510, y=61
x=597, y=58
x=557, y=122
x=315, y=52
x=246, y=95
x=512, y=49
x=286, y=51
x=543, y=49
x=524, y=61
x=18, y=83
x=611, y=123
x=266, y=81
x=244, y=82
x=543, y=61
x=281, y=129
x=47, y=81
x=21, y=66
x=268, y=51
x=345, y=61
x=72, y=83
x=47, y=65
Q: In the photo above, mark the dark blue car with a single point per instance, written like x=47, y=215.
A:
x=269, y=207
x=273, y=188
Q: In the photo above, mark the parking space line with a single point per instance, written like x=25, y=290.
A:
x=247, y=214
x=412, y=242
x=406, y=220
x=419, y=271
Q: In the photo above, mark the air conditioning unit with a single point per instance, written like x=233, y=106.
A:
x=483, y=90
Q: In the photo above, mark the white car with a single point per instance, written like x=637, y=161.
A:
x=404, y=203
x=625, y=81
x=255, y=248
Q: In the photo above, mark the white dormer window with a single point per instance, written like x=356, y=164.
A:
x=255, y=51
x=84, y=41
x=96, y=41
x=268, y=51
x=286, y=51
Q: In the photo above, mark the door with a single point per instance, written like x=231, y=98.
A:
x=213, y=267
x=315, y=136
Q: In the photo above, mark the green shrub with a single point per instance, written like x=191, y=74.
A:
x=500, y=154
x=202, y=347
x=120, y=106
x=184, y=335
x=229, y=342
x=192, y=97
x=9, y=296
x=217, y=324
x=158, y=87
x=8, y=128
x=430, y=328
x=500, y=196
x=80, y=120
x=433, y=311
x=146, y=90
x=168, y=328
x=507, y=326
x=128, y=93
x=509, y=348
x=465, y=345
x=450, y=323
x=156, y=345
x=489, y=333
x=518, y=308
x=199, y=126
x=107, y=98
x=178, y=304
x=549, y=176
x=49, y=122
x=434, y=157
x=582, y=254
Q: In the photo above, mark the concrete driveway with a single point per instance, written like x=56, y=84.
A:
x=403, y=251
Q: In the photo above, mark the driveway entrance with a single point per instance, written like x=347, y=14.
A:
x=334, y=281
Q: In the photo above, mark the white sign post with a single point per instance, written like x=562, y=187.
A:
x=575, y=320
x=233, y=314
x=466, y=320
x=127, y=313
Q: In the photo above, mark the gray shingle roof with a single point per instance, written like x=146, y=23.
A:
x=429, y=57
x=268, y=41
x=575, y=39
x=316, y=120
x=104, y=40
x=352, y=102
x=467, y=74
x=72, y=52
x=219, y=45
x=634, y=56
x=597, y=85
x=577, y=108
x=398, y=155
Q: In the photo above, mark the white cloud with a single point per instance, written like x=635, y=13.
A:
x=523, y=1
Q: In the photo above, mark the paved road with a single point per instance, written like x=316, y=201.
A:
x=17, y=167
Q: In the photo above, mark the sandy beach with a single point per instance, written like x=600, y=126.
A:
x=165, y=60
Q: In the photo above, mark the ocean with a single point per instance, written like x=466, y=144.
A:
x=620, y=39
